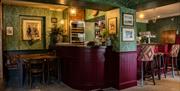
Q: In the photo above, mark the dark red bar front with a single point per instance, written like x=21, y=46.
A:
x=82, y=67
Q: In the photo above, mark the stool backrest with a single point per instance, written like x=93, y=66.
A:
x=174, y=50
x=147, y=53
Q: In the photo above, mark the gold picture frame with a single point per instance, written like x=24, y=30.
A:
x=31, y=29
x=112, y=25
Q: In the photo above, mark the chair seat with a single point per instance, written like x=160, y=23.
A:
x=146, y=57
x=33, y=71
x=160, y=53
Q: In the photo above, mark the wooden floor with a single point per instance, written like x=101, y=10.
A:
x=166, y=84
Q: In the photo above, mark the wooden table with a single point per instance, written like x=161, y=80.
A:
x=22, y=58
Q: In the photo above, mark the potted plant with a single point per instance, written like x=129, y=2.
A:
x=56, y=35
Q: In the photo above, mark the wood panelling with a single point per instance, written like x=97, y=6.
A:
x=126, y=64
x=168, y=36
x=82, y=68
x=92, y=68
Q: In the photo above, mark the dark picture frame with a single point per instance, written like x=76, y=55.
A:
x=53, y=20
x=128, y=34
x=128, y=19
x=112, y=25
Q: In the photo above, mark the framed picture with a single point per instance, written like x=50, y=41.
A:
x=9, y=30
x=128, y=19
x=128, y=34
x=112, y=25
x=53, y=20
x=31, y=29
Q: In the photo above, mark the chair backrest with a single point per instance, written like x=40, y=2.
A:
x=35, y=66
x=174, y=50
x=147, y=52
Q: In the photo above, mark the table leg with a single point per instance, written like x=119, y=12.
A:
x=21, y=77
x=59, y=69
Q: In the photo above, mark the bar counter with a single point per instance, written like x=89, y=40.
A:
x=82, y=67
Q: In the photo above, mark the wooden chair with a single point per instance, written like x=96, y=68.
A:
x=146, y=58
x=35, y=68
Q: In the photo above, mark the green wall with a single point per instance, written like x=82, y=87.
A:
x=89, y=31
x=117, y=40
x=141, y=27
x=127, y=45
x=171, y=23
x=12, y=17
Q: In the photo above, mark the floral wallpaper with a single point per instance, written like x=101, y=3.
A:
x=12, y=18
x=117, y=42
x=127, y=45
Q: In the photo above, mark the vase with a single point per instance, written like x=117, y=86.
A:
x=59, y=38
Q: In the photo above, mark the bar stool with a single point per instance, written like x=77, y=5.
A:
x=162, y=51
x=35, y=68
x=173, y=55
x=147, y=56
x=157, y=57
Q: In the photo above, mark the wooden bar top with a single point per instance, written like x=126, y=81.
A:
x=74, y=45
x=36, y=56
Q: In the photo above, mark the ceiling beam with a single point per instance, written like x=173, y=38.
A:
x=127, y=4
x=121, y=2
x=76, y=3
x=154, y=3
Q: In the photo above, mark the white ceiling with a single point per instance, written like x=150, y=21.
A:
x=36, y=5
x=162, y=12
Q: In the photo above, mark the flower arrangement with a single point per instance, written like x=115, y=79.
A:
x=56, y=35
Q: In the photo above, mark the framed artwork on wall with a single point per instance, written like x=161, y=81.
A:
x=112, y=25
x=31, y=29
x=128, y=19
x=128, y=34
x=53, y=20
x=9, y=30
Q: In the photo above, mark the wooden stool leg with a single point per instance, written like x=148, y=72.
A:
x=159, y=67
x=173, y=74
x=164, y=66
x=152, y=72
x=142, y=74
x=177, y=67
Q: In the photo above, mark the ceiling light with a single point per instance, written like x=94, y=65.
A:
x=158, y=16
x=141, y=16
x=62, y=22
x=73, y=11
